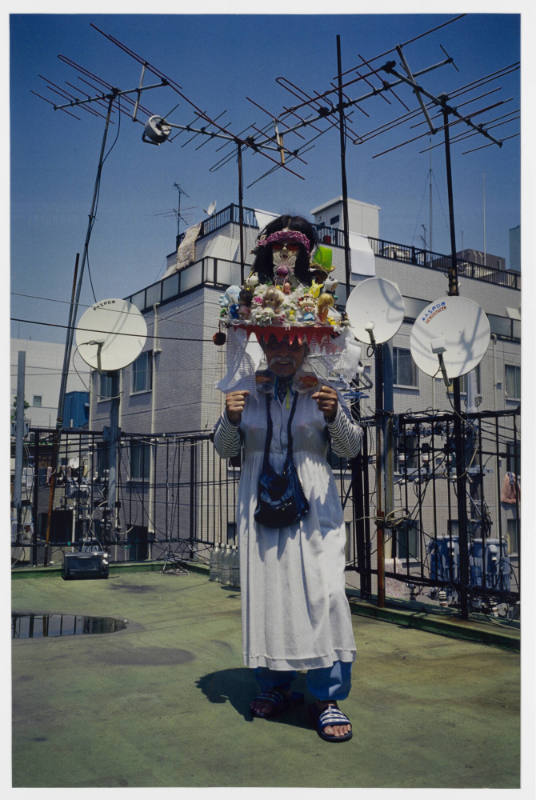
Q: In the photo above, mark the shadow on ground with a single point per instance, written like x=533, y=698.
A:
x=238, y=687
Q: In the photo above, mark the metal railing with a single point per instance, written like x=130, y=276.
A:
x=419, y=521
x=205, y=270
x=175, y=494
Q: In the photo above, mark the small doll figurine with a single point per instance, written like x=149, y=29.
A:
x=315, y=288
x=330, y=284
x=325, y=301
x=245, y=299
x=252, y=281
x=273, y=298
x=307, y=306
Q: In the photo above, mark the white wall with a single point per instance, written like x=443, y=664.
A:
x=44, y=361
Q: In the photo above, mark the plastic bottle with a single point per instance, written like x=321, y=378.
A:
x=215, y=561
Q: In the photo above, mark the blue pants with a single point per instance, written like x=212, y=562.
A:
x=327, y=683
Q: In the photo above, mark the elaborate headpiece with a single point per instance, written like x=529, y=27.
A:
x=288, y=309
x=285, y=235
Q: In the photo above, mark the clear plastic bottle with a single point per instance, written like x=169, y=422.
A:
x=225, y=575
x=215, y=562
x=235, y=573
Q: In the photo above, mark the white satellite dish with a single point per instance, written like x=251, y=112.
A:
x=111, y=334
x=211, y=209
x=450, y=335
x=375, y=309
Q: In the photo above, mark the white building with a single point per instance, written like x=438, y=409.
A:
x=43, y=366
x=171, y=386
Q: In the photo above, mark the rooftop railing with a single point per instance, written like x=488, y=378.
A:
x=394, y=251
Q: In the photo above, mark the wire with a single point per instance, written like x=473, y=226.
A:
x=94, y=330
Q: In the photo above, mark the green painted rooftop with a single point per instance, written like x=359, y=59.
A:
x=164, y=702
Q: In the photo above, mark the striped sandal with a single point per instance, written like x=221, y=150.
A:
x=278, y=702
x=330, y=716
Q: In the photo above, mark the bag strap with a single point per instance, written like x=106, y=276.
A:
x=289, y=432
x=269, y=429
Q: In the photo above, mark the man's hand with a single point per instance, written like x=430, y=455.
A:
x=326, y=399
x=234, y=405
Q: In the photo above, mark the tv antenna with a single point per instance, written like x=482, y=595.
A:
x=180, y=192
x=387, y=80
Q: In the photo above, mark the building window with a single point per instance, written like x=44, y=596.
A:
x=463, y=382
x=109, y=385
x=512, y=382
x=142, y=373
x=512, y=534
x=406, y=453
x=37, y=401
x=334, y=220
x=406, y=543
x=139, y=461
x=404, y=368
x=513, y=457
x=102, y=462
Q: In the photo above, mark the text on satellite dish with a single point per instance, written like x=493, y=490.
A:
x=433, y=311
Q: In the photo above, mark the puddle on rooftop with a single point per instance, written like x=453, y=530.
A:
x=37, y=626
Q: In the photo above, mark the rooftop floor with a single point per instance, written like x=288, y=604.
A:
x=164, y=702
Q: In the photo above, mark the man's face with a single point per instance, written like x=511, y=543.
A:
x=284, y=359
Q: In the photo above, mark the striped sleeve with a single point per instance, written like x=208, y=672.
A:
x=345, y=434
x=227, y=437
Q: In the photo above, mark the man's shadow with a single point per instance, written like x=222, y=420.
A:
x=239, y=687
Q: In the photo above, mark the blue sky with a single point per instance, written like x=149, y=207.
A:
x=219, y=60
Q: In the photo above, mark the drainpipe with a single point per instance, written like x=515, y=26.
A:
x=152, y=464
x=92, y=375
x=494, y=356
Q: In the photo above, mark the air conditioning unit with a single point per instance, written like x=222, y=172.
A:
x=85, y=565
x=395, y=252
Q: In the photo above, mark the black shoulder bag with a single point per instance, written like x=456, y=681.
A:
x=280, y=498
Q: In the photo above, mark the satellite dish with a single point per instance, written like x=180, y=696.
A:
x=111, y=334
x=211, y=209
x=156, y=130
x=375, y=309
x=452, y=335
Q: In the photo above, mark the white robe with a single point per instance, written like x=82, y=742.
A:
x=295, y=614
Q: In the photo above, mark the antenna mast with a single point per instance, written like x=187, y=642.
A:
x=180, y=191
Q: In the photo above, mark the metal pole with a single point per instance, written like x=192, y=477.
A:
x=346, y=225
x=380, y=532
x=74, y=305
x=59, y=421
x=388, y=455
x=113, y=446
x=241, y=209
x=458, y=420
x=35, y=498
x=19, y=441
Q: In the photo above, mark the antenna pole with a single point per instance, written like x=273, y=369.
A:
x=380, y=513
x=458, y=420
x=179, y=219
x=430, y=238
x=484, y=215
x=76, y=300
x=241, y=208
x=346, y=226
